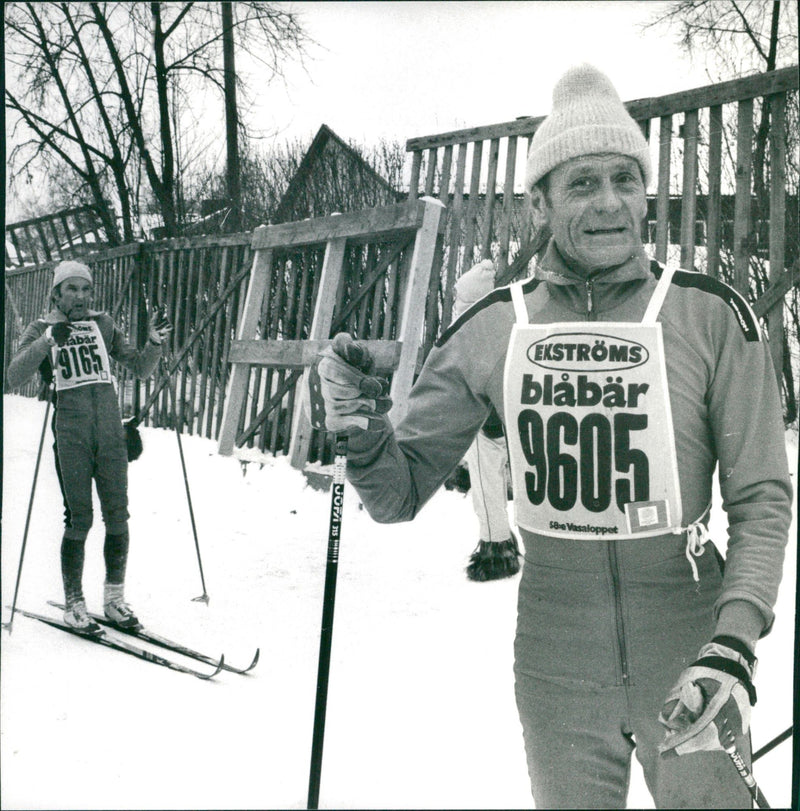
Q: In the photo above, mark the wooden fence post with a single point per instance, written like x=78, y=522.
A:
x=237, y=387
x=413, y=306
x=330, y=279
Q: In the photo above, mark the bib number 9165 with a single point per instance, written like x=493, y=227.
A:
x=79, y=361
x=556, y=474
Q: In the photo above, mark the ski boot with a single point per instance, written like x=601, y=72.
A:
x=76, y=616
x=116, y=610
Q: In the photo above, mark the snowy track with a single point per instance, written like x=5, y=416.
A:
x=421, y=708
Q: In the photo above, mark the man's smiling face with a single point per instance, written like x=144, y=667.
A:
x=594, y=207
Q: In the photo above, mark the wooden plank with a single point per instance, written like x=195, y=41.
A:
x=31, y=245
x=430, y=174
x=491, y=197
x=749, y=87
x=662, y=194
x=777, y=223
x=472, y=205
x=508, y=203
x=455, y=232
x=744, y=177
x=197, y=360
x=298, y=354
x=413, y=308
x=777, y=290
x=226, y=257
x=714, y=213
x=320, y=329
x=444, y=180
x=237, y=385
x=367, y=224
x=689, y=191
x=413, y=185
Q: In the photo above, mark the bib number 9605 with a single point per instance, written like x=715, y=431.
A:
x=558, y=475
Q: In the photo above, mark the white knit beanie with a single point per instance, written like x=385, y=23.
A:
x=473, y=285
x=68, y=269
x=587, y=118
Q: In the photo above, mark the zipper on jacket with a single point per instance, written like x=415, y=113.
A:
x=620, y=624
x=589, y=302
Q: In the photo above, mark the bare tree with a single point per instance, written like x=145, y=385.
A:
x=114, y=94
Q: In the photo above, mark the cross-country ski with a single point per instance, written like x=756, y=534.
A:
x=109, y=639
x=147, y=635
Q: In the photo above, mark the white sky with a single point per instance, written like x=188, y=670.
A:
x=405, y=69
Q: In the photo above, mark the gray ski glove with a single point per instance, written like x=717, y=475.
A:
x=712, y=695
x=343, y=395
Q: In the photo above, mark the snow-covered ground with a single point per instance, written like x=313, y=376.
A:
x=421, y=707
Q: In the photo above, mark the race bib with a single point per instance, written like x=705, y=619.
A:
x=589, y=426
x=83, y=359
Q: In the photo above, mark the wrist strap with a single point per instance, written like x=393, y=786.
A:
x=736, y=644
x=732, y=668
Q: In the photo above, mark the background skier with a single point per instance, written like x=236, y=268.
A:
x=73, y=344
x=622, y=385
x=497, y=553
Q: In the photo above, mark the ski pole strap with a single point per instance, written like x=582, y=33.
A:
x=737, y=645
x=732, y=668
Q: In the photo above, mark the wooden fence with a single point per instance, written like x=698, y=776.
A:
x=63, y=235
x=354, y=291
x=203, y=282
x=479, y=172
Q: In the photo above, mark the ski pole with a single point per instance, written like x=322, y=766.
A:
x=203, y=598
x=9, y=625
x=768, y=747
x=728, y=741
x=326, y=634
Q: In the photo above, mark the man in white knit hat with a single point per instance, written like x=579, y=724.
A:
x=71, y=347
x=622, y=385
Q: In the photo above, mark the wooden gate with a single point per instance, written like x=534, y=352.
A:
x=406, y=233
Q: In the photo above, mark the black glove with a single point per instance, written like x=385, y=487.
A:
x=59, y=333
x=342, y=394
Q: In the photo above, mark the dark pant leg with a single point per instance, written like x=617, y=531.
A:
x=115, y=552
x=111, y=467
x=74, y=455
x=72, y=556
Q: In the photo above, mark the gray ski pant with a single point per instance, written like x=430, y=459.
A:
x=604, y=629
